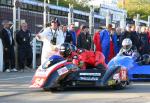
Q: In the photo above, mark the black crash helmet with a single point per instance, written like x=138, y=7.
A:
x=65, y=50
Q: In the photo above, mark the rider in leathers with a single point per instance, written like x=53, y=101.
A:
x=83, y=58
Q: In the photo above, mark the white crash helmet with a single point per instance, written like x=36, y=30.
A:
x=126, y=44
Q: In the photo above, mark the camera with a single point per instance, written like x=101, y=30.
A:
x=53, y=41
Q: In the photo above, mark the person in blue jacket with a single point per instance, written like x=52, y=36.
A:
x=72, y=31
x=105, y=37
x=114, y=39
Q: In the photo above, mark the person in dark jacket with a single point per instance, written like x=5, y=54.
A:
x=8, y=47
x=84, y=39
x=118, y=32
x=67, y=35
x=23, y=38
x=131, y=35
x=144, y=42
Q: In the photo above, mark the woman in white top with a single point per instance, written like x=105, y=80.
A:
x=52, y=38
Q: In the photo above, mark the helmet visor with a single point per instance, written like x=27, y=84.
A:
x=62, y=52
x=126, y=47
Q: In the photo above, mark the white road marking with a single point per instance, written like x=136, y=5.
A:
x=15, y=78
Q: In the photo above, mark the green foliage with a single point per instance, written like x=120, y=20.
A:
x=135, y=7
x=82, y=5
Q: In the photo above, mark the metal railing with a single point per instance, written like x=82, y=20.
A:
x=1, y=56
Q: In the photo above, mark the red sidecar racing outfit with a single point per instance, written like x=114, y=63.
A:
x=85, y=58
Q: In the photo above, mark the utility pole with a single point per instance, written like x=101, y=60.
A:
x=148, y=24
x=123, y=21
x=48, y=13
x=1, y=56
x=14, y=17
x=137, y=20
x=91, y=23
x=108, y=18
x=57, y=2
x=70, y=14
x=16, y=24
x=44, y=15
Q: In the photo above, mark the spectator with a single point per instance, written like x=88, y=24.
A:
x=23, y=39
x=73, y=33
x=8, y=45
x=96, y=40
x=52, y=38
x=84, y=39
x=79, y=30
x=144, y=40
x=105, y=41
x=131, y=35
x=149, y=35
x=113, y=44
x=118, y=32
x=67, y=35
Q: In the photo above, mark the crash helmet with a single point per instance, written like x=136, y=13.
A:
x=65, y=50
x=126, y=44
x=146, y=59
x=73, y=48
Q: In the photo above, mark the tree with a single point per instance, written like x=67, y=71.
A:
x=134, y=7
x=78, y=4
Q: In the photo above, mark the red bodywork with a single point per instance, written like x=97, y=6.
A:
x=42, y=75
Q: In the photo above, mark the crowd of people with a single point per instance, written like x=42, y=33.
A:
x=108, y=42
x=24, y=48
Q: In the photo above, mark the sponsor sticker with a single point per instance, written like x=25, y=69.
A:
x=123, y=74
x=41, y=73
x=38, y=82
x=116, y=76
x=89, y=78
x=90, y=74
x=62, y=71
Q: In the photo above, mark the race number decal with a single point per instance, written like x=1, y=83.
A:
x=123, y=74
x=62, y=71
x=38, y=82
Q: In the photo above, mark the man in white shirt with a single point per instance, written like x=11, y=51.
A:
x=52, y=38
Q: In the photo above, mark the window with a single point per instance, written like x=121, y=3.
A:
x=3, y=2
x=52, y=11
x=30, y=7
x=56, y=12
x=59, y=12
x=9, y=2
x=35, y=8
x=24, y=6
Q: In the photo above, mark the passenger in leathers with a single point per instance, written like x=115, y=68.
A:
x=83, y=58
x=86, y=58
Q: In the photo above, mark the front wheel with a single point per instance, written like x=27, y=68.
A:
x=53, y=89
x=47, y=89
x=121, y=85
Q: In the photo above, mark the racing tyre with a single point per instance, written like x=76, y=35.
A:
x=121, y=85
x=53, y=89
x=47, y=89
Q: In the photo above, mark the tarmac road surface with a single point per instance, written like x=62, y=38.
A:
x=14, y=88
